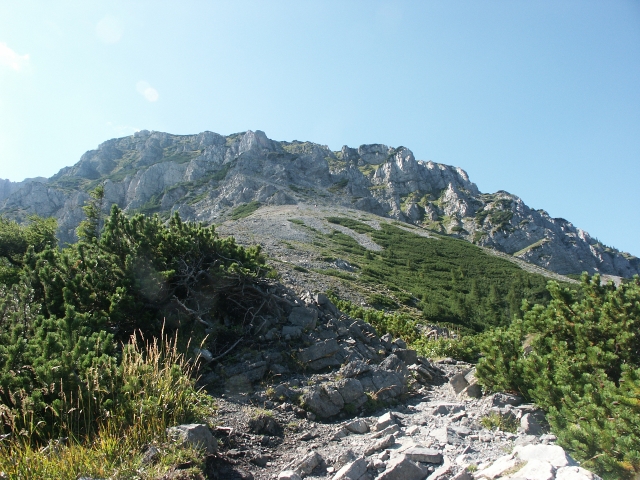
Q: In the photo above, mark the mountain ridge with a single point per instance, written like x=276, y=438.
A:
x=206, y=176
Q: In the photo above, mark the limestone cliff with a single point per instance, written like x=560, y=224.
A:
x=205, y=176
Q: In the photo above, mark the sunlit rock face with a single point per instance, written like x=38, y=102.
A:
x=205, y=176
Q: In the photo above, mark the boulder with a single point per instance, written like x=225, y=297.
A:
x=458, y=383
x=351, y=391
x=194, y=435
x=424, y=455
x=536, y=470
x=403, y=468
x=497, y=468
x=381, y=444
x=319, y=350
x=324, y=401
x=352, y=470
x=357, y=426
x=407, y=356
x=531, y=424
x=472, y=391
x=304, y=317
x=553, y=454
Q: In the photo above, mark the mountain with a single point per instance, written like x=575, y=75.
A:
x=209, y=177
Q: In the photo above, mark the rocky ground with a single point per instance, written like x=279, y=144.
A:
x=326, y=398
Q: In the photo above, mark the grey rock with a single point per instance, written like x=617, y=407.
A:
x=193, y=435
x=304, y=317
x=502, y=399
x=463, y=475
x=351, y=391
x=458, y=383
x=354, y=368
x=400, y=343
x=472, y=391
x=390, y=430
x=403, y=468
x=553, y=454
x=381, y=444
x=319, y=350
x=352, y=471
x=530, y=424
x=425, y=455
x=536, y=470
x=446, y=408
x=384, y=421
x=357, y=426
x=446, y=435
x=409, y=357
x=306, y=465
x=325, y=401
x=291, y=331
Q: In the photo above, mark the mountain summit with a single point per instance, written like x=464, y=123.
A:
x=206, y=177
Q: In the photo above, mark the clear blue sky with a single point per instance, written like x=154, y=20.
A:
x=541, y=99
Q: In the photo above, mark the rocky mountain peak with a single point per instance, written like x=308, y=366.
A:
x=207, y=175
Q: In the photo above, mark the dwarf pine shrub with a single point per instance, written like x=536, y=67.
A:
x=579, y=359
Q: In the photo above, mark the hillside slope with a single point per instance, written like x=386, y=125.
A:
x=207, y=176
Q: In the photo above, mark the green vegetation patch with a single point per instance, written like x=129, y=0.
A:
x=340, y=185
x=245, y=210
x=533, y=246
x=453, y=281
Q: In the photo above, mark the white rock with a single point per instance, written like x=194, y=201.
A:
x=289, y=475
x=536, y=470
x=384, y=421
x=553, y=454
x=498, y=467
x=352, y=471
x=575, y=473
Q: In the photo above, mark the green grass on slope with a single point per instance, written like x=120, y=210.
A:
x=450, y=280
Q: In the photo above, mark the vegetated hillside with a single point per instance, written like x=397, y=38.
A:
x=208, y=177
x=389, y=266
x=63, y=372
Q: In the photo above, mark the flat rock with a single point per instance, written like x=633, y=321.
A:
x=352, y=471
x=384, y=421
x=319, y=350
x=553, y=454
x=425, y=455
x=497, y=468
x=403, y=468
x=381, y=444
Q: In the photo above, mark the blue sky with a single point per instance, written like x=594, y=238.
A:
x=541, y=99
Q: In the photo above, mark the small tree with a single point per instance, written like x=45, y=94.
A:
x=89, y=229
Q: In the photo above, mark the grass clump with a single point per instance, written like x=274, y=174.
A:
x=152, y=389
x=495, y=421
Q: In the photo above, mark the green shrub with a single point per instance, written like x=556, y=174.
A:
x=61, y=323
x=579, y=359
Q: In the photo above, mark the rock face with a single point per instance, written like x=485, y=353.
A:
x=205, y=176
